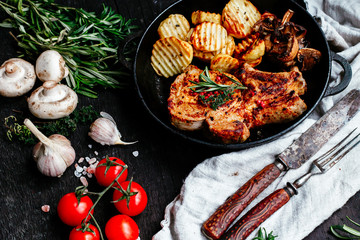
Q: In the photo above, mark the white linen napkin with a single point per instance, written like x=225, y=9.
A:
x=216, y=178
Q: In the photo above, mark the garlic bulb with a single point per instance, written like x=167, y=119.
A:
x=53, y=154
x=105, y=131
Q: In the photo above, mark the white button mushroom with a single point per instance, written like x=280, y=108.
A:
x=17, y=77
x=52, y=101
x=50, y=66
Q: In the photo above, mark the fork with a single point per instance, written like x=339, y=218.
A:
x=264, y=209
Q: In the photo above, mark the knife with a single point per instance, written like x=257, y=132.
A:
x=292, y=157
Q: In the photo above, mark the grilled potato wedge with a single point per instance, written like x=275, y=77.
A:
x=224, y=63
x=198, y=17
x=209, y=37
x=238, y=17
x=175, y=25
x=170, y=56
x=250, y=50
x=227, y=49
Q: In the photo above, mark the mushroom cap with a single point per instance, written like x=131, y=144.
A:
x=52, y=101
x=17, y=77
x=50, y=66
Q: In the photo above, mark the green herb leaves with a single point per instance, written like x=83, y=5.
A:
x=63, y=126
x=214, y=94
x=351, y=233
x=88, y=42
x=263, y=235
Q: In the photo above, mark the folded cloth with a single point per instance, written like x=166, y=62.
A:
x=216, y=178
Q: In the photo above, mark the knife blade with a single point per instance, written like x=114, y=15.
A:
x=291, y=158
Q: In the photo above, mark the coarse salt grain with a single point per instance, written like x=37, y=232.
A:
x=135, y=153
x=90, y=169
x=45, y=208
x=89, y=175
x=78, y=168
x=87, y=159
x=92, y=160
x=90, y=146
x=96, y=153
x=81, y=160
x=77, y=174
x=84, y=181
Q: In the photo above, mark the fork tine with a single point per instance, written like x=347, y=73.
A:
x=325, y=155
x=339, y=154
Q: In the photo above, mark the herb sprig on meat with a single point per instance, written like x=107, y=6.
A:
x=214, y=94
x=87, y=41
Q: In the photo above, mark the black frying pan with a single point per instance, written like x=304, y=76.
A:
x=154, y=90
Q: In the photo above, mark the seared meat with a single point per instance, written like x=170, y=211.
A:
x=269, y=98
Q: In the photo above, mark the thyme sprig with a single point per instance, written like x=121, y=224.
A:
x=64, y=126
x=214, y=94
x=87, y=41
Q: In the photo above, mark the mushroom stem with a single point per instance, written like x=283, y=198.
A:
x=12, y=70
x=42, y=138
x=287, y=16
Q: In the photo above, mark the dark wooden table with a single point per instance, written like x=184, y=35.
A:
x=163, y=163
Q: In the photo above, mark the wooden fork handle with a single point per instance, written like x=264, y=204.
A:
x=221, y=219
x=257, y=215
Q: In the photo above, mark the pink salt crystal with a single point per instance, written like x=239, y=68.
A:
x=84, y=181
x=92, y=161
x=81, y=160
x=90, y=169
x=45, y=208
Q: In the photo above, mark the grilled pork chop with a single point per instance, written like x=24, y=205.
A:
x=269, y=98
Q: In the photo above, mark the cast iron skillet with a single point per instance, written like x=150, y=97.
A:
x=154, y=90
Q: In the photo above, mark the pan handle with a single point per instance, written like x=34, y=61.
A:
x=346, y=77
x=122, y=46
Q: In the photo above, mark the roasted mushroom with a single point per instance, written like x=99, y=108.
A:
x=17, y=77
x=52, y=101
x=50, y=66
x=308, y=58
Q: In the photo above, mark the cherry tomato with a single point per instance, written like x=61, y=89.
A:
x=108, y=169
x=130, y=199
x=71, y=212
x=90, y=233
x=121, y=227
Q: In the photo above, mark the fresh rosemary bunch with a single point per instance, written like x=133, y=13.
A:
x=88, y=42
x=214, y=94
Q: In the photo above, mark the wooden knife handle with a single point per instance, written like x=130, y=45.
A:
x=221, y=219
x=257, y=215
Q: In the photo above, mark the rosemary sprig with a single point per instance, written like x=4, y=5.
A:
x=351, y=232
x=88, y=42
x=214, y=94
x=263, y=235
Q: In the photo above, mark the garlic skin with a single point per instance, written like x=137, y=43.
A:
x=104, y=131
x=53, y=154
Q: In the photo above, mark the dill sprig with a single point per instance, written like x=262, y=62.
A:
x=87, y=41
x=214, y=94
x=64, y=126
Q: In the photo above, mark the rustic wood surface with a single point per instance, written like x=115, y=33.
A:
x=163, y=163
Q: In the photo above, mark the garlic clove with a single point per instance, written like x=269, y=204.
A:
x=104, y=131
x=52, y=154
